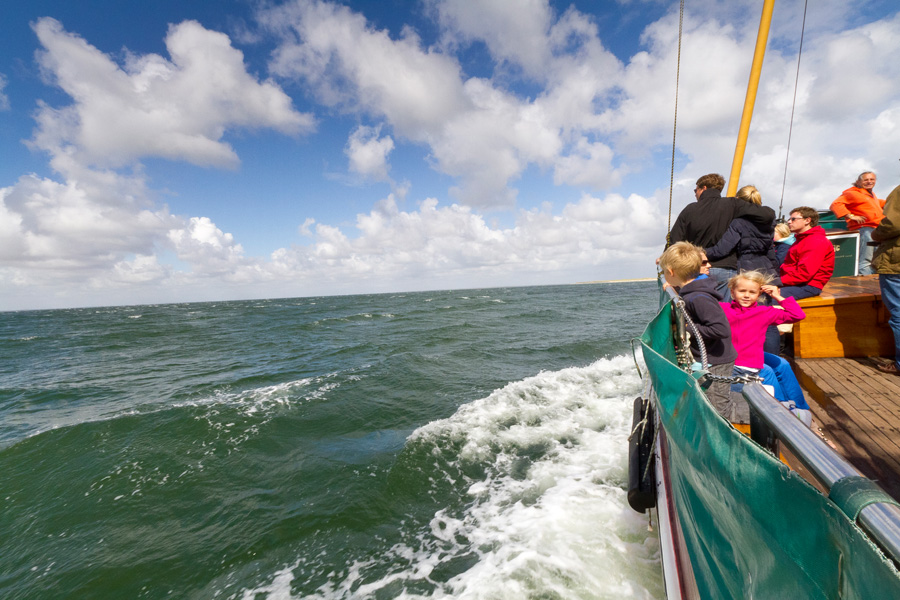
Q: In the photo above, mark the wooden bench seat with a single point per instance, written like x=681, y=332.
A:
x=847, y=320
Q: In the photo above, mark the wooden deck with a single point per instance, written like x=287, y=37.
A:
x=856, y=407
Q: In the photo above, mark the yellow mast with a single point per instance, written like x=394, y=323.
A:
x=758, y=55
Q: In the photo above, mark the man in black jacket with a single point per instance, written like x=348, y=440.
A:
x=704, y=222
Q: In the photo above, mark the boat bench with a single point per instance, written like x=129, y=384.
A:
x=851, y=307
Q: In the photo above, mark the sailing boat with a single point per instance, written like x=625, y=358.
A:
x=734, y=520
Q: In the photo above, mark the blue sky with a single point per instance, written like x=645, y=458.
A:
x=198, y=150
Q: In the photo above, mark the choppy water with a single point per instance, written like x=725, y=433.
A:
x=457, y=444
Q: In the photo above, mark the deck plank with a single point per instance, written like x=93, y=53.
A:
x=857, y=402
x=859, y=408
x=868, y=392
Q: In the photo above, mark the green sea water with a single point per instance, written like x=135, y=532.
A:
x=452, y=444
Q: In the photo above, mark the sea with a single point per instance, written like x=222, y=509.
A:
x=466, y=444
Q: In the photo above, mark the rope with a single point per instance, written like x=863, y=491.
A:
x=634, y=358
x=675, y=123
x=642, y=425
x=643, y=422
x=704, y=361
x=793, y=106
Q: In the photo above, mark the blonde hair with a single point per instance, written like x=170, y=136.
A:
x=757, y=277
x=750, y=194
x=783, y=230
x=683, y=258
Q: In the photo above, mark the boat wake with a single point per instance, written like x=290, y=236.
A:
x=527, y=493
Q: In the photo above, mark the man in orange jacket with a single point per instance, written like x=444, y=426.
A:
x=863, y=212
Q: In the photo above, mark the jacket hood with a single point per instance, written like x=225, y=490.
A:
x=706, y=285
x=812, y=232
x=789, y=240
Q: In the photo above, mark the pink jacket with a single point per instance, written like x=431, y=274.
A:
x=748, y=328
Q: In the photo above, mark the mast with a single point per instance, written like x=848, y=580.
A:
x=761, y=38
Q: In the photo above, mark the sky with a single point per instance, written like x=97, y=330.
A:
x=197, y=150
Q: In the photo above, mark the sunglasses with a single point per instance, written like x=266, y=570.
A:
x=705, y=262
x=796, y=219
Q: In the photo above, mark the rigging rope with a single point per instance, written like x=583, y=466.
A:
x=675, y=124
x=793, y=105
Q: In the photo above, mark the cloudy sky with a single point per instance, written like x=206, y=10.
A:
x=184, y=150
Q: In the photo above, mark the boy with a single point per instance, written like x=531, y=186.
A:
x=681, y=264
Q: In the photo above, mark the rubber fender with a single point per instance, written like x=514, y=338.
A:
x=641, y=466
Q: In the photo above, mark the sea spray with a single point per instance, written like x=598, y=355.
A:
x=531, y=481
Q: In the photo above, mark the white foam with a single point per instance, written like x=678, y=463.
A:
x=548, y=518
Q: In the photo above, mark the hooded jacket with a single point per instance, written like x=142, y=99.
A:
x=753, y=243
x=748, y=328
x=782, y=247
x=810, y=260
x=887, y=256
x=702, y=302
x=705, y=221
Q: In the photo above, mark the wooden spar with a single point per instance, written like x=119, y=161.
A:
x=761, y=39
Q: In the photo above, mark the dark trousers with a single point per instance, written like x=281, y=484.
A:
x=797, y=292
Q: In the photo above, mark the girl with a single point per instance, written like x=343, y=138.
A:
x=784, y=239
x=749, y=321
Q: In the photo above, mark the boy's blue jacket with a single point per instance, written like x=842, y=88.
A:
x=702, y=302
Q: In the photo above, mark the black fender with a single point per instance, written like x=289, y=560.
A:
x=641, y=463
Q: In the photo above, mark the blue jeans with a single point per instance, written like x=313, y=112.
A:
x=865, y=251
x=785, y=379
x=722, y=276
x=777, y=372
x=890, y=295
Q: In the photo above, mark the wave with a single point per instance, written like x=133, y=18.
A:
x=256, y=406
x=532, y=479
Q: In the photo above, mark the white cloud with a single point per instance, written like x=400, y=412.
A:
x=210, y=251
x=151, y=106
x=349, y=64
x=432, y=245
x=557, y=101
x=368, y=153
x=141, y=270
x=589, y=164
x=100, y=227
x=477, y=131
x=514, y=32
x=62, y=229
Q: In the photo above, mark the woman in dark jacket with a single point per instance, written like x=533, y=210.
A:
x=752, y=241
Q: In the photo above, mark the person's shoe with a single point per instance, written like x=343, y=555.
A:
x=890, y=368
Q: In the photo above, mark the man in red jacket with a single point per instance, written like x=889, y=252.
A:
x=810, y=262
x=808, y=266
